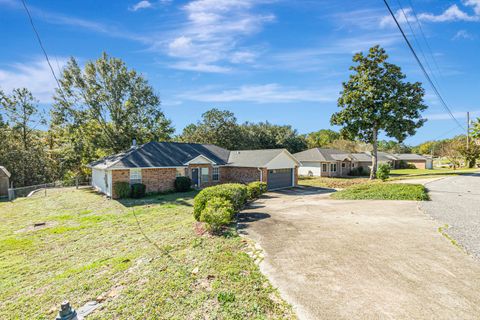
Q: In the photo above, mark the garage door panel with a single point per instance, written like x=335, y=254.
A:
x=279, y=178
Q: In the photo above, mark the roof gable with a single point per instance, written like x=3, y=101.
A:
x=5, y=171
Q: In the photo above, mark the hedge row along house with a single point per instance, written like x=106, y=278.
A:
x=337, y=163
x=157, y=164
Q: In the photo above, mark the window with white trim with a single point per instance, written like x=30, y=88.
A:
x=135, y=176
x=324, y=167
x=205, y=176
x=215, y=174
x=333, y=167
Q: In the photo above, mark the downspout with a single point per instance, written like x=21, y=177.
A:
x=261, y=174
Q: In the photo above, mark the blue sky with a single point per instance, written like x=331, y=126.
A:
x=276, y=60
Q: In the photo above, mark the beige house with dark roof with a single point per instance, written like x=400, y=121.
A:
x=337, y=163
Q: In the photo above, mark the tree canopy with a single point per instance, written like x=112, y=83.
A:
x=377, y=98
x=220, y=127
x=321, y=138
x=117, y=101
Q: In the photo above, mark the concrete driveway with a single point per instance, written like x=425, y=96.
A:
x=335, y=259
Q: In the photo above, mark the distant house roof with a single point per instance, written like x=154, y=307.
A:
x=385, y=156
x=5, y=171
x=176, y=154
x=409, y=156
x=361, y=157
x=320, y=154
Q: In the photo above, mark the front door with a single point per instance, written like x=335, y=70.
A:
x=195, y=177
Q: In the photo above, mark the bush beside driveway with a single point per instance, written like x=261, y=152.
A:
x=338, y=259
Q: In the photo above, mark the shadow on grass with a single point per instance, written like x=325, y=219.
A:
x=177, y=198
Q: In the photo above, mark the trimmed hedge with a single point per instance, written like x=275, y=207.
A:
x=359, y=171
x=138, y=190
x=122, y=189
x=218, y=212
x=256, y=189
x=183, y=184
x=234, y=192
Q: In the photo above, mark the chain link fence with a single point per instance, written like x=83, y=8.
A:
x=28, y=191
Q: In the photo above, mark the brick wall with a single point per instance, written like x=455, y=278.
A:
x=242, y=174
x=419, y=164
x=159, y=180
x=295, y=176
x=119, y=176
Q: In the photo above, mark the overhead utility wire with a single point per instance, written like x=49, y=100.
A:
x=425, y=39
x=41, y=45
x=421, y=66
x=417, y=42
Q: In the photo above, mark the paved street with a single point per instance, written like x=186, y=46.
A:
x=456, y=202
x=335, y=259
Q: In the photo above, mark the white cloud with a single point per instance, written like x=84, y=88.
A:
x=453, y=13
x=267, y=93
x=144, y=4
x=210, y=38
x=463, y=34
x=34, y=75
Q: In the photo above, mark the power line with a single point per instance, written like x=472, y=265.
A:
x=417, y=42
x=41, y=45
x=444, y=104
x=425, y=38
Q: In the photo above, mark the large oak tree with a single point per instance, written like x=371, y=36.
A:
x=377, y=98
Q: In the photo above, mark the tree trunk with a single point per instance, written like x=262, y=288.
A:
x=373, y=172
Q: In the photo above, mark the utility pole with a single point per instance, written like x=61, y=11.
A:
x=468, y=129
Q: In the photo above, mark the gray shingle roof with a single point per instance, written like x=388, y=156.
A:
x=176, y=154
x=252, y=158
x=409, y=156
x=361, y=157
x=162, y=154
x=320, y=154
x=5, y=171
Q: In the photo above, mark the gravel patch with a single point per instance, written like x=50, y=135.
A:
x=456, y=203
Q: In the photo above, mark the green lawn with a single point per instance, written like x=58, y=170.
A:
x=383, y=191
x=425, y=173
x=143, y=256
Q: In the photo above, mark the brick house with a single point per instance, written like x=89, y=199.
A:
x=4, y=182
x=157, y=164
x=337, y=163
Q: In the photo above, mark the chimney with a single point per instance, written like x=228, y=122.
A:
x=134, y=143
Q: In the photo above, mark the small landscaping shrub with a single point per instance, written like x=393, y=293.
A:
x=218, y=212
x=383, y=171
x=138, y=190
x=234, y=192
x=405, y=165
x=255, y=189
x=122, y=189
x=359, y=171
x=183, y=184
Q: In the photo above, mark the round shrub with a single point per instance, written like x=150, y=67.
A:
x=383, y=171
x=255, y=189
x=183, y=184
x=236, y=193
x=138, y=190
x=121, y=189
x=217, y=213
